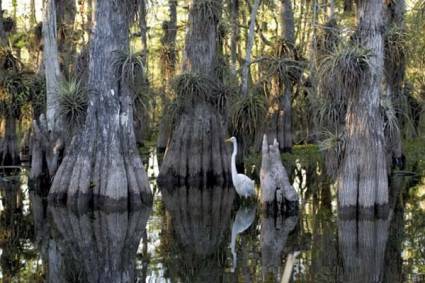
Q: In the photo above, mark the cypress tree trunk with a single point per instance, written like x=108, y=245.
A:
x=395, y=65
x=284, y=127
x=143, y=30
x=362, y=180
x=196, y=152
x=168, y=67
x=46, y=139
x=3, y=39
x=235, y=33
x=8, y=146
x=66, y=12
x=102, y=165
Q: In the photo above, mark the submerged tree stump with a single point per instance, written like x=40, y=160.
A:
x=276, y=190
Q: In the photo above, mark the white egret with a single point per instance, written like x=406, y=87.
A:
x=245, y=187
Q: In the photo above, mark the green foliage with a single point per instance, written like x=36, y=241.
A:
x=345, y=70
x=248, y=113
x=9, y=62
x=72, y=99
x=286, y=69
x=395, y=46
x=191, y=88
x=129, y=68
x=37, y=87
x=14, y=92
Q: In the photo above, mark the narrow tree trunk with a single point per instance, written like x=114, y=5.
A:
x=196, y=152
x=3, y=36
x=33, y=18
x=168, y=67
x=395, y=65
x=348, y=6
x=250, y=44
x=102, y=165
x=46, y=137
x=285, y=113
x=8, y=145
x=362, y=180
x=66, y=12
x=235, y=33
x=143, y=30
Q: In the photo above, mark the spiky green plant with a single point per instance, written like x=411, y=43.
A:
x=129, y=67
x=193, y=87
x=8, y=61
x=73, y=101
x=286, y=69
x=248, y=113
x=38, y=94
x=345, y=70
x=15, y=91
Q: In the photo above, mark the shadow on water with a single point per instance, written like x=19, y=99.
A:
x=206, y=235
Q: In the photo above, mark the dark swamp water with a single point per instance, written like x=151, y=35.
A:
x=194, y=235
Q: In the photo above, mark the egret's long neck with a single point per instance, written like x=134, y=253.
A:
x=235, y=152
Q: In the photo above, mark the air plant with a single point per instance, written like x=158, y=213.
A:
x=72, y=99
x=129, y=67
x=248, y=113
x=345, y=70
x=15, y=90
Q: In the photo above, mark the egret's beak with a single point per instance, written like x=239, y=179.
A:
x=228, y=140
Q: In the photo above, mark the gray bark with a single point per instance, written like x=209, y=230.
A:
x=250, y=44
x=196, y=152
x=362, y=180
x=348, y=5
x=235, y=34
x=102, y=165
x=3, y=36
x=66, y=13
x=395, y=65
x=143, y=30
x=275, y=186
x=285, y=114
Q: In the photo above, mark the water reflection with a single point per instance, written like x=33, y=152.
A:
x=244, y=218
x=199, y=221
x=274, y=235
x=89, y=246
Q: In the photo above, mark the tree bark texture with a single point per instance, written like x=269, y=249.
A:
x=66, y=13
x=103, y=166
x=285, y=113
x=394, y=70
x=276, y=190
x=3, y=36
x=362, y=180
x=196, y=152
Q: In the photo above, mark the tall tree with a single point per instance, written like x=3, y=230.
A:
x=196, y=152
x=102, y=165
x=285, y=113
x=394, y=70
x=362, y=180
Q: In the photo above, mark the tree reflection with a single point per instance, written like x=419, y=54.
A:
x=90, y=246
x=199, y=220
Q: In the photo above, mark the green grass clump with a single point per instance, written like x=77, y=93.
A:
x=248, y=114
x=415, y=155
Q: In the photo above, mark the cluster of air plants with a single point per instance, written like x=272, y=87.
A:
x=248, y=113
x=328, y=38
x=345, y=70
x=37, y=87
x=168, y=59
x=395, y=46
x=286, y=69
x=129, y=68
x=333, y=143
x=191, y=88
x=73, y=101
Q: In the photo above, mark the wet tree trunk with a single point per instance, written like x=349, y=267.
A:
x=102, y=166
x=276, y=190
x=395, y=65
x=285, y=114
x=8, y=146
x=46, y=140
x=196, y=153
x=362, y=180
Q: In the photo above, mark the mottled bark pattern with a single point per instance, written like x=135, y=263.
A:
x=103, y=165
x=9, y=154
x=362, y=180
